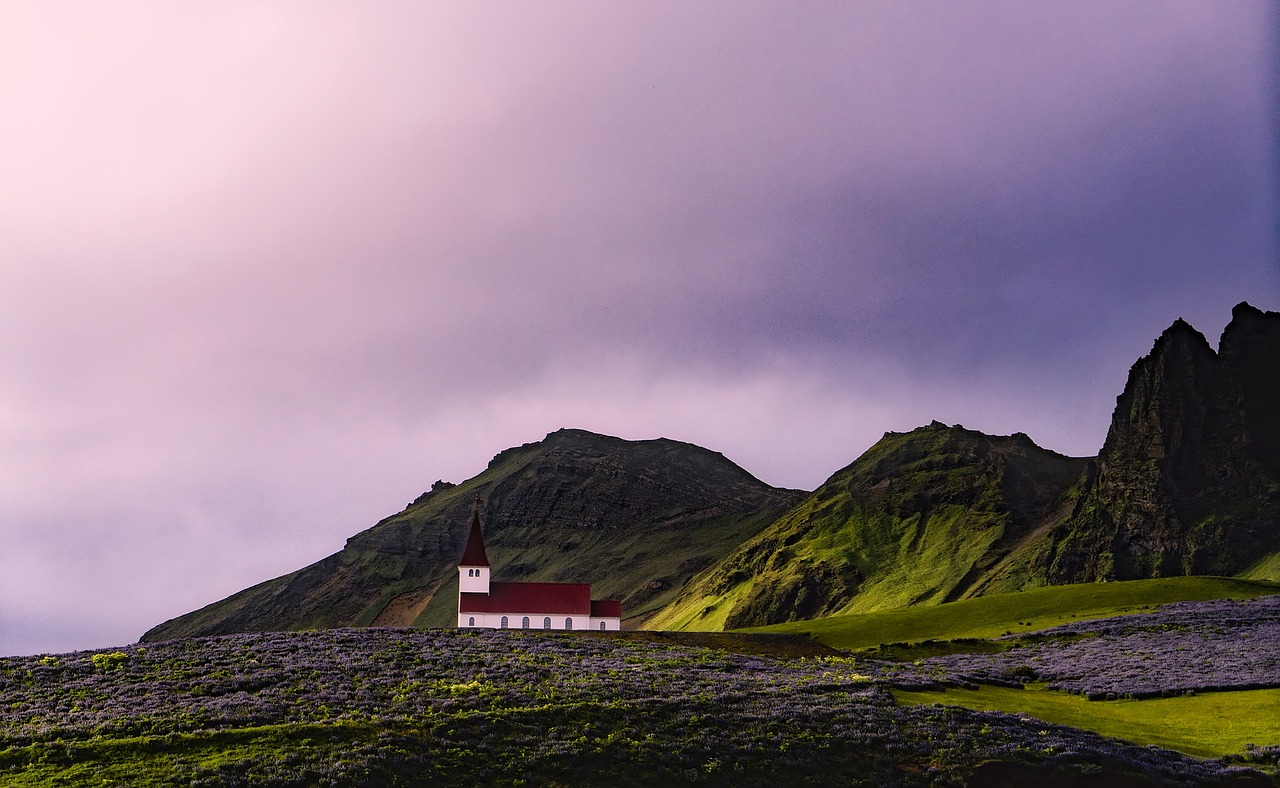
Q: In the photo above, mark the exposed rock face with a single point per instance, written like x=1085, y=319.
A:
x=635, y=518
x=1187, y=480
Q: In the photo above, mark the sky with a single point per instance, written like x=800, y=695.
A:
x=267, y=271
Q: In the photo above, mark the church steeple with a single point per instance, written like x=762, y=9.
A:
x=473, y=567
x=475, y=555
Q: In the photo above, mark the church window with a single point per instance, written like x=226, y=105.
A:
x=601, y=626
x=568, y=623
x=546, y=622
x=471, y=622
x=504, y=622
x=524, y=624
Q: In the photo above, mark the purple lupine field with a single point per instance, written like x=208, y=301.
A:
x=1181, y=648
x=394, y=706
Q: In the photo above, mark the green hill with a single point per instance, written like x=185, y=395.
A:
x=635, y=518
x=918, y=519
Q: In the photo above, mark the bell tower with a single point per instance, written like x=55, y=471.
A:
x=473, y=568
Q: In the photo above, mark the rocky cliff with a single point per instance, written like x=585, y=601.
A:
x=1188, y=481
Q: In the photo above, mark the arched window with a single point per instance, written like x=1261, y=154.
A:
x=568, y=623
x=601, y=626
x=504, y=622
x=471, y=622
x=546, y=622
x=524, y=624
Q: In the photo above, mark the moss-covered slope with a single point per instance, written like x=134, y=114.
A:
x=635, y=518
x=919, y=519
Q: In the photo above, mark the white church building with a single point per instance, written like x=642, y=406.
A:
x=484, y=603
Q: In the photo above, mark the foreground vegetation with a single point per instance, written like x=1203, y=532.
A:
x=1209, y=725
x=1141, y=678
x=385, y=707
x=1001, y=705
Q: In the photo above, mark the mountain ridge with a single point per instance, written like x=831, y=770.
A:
x=1187, y=482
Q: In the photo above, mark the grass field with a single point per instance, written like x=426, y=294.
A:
x=143, y=761
x=1026, y=611
x=1207, y=725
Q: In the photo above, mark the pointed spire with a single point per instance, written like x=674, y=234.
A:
x=475, y=555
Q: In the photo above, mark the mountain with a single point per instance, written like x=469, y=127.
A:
x=918, y=519
x=635, y=518
x=1187, y=482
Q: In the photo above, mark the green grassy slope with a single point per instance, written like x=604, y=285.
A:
x=1268, y=568
x=1207, y=725
x=1026, y=611
x=919, y=519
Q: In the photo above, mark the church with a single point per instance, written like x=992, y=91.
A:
x=483, y=603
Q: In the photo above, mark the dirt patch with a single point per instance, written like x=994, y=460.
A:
x=401, y=611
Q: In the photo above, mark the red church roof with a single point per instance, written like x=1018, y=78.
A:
x=474, y=555
x=606, y=608
x=563, y=598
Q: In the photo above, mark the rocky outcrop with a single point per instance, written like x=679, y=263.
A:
x=1187, y=480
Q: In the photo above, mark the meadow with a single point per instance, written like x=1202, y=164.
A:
x=389, y=707
x=1194, y=700
x=1052, y=652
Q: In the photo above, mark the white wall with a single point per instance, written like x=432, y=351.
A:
x=469, y=583
x=494, y=621
x=610, y=624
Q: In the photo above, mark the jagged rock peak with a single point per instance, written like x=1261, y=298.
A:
x=1180, y=334
x=1249, y=327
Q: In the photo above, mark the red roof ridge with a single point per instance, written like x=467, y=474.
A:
x=563, y=598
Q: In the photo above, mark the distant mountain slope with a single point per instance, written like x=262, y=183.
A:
x=635, y=518
x=1187, y=483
